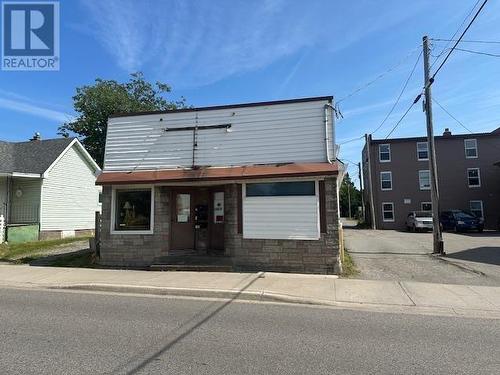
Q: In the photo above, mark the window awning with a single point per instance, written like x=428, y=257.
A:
x=219, y=173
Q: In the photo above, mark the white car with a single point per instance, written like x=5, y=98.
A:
x=419, y=220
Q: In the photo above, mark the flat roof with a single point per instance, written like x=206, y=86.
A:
x=219, y=173
x=226, y=106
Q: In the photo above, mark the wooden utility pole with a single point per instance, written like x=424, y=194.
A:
x=368, y=142
x=438, y=245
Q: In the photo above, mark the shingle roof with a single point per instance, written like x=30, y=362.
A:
x=32, y=156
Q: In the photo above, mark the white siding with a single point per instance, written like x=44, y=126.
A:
x=25, y=200
x=3, y=196
x=293, y=217
x=69, y=195
x=279, y=133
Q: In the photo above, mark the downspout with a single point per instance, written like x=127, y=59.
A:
x=327, y=137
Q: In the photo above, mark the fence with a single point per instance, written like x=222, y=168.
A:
x=2, y=229
x=24, y=213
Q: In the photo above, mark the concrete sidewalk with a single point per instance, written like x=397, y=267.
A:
x=384, y=296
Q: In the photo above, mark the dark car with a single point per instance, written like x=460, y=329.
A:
x=460, y=221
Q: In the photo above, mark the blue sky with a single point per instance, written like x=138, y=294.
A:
x=219, y=52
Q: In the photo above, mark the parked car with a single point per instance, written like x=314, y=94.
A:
x=460, y=221
x=419, y=220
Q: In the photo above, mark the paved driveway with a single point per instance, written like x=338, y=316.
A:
x=392, y=255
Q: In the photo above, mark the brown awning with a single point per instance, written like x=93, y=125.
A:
x=219, y=174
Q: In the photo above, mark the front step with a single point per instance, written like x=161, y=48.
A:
x=191, y=267
x=199, y=263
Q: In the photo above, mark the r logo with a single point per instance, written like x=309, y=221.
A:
x=30, y=29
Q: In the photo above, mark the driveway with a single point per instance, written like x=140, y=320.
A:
x=472, y=258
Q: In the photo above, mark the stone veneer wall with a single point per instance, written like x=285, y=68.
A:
x=135, y=250
x=283, y=255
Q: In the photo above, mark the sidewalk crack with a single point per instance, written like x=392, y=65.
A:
x=407, y=293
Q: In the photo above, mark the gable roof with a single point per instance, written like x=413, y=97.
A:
x=32, y=156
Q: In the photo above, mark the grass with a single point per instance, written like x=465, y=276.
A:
x=27, y=251
x=82, y=260
x=349, y=268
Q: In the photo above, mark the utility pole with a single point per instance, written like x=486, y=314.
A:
x=368, y=141
x=438, y=245
x=349, y=196
x=361, y=191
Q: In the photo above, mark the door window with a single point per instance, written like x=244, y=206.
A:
x=183, y=208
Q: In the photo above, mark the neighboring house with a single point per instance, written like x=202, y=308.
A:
x=256, y=183
x=467, y=176
x=49, y=184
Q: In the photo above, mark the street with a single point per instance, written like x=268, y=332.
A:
x=471, y=258
x=49, y=332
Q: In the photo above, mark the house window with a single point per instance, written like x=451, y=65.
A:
x=388, y=211
x=424, y=180
x=275, y=189
x=470, y=148
x=476, y=207
x=474, y=177
x=426, y=206
x=133, y=210
x=384, y=153
x=386, y=180
x=422, y=151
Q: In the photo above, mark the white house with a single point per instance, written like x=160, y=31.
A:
x=48, y=185
x=256, y=183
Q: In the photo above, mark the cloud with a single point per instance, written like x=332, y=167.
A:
x=19, y=103
x=194, y=43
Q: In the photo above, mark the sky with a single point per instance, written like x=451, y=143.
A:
x=216, y=52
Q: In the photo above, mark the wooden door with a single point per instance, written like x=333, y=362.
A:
x=182, y=231
x=217, y=220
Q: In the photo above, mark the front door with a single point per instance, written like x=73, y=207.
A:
x=197, y=220
x=182, y=234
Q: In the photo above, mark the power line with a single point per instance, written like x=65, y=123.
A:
x=381, y=75
x=453, y=117
x=351, y=140
x=456, y=32
x=478, y=52
x=431, y=80
x=400, y=94
x=404, y=115
x=467, y=41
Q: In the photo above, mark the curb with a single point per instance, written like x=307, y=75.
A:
x=271, y=297
x=459, y=265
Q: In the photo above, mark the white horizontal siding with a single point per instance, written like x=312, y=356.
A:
x=69, y=195
x=3, y=196
x=280, y=133
x=292, y=217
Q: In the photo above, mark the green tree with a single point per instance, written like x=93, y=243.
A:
x=95, y=103
x=349, y=189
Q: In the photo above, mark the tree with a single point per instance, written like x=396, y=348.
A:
x=95, y=103
x=349, y=189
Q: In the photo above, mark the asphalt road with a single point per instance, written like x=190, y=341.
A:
x=48, y=332
x=403, y=256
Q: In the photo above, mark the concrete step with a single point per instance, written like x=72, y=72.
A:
x=192, y=267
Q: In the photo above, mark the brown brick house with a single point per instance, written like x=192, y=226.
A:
x=253, y=183
x=468, y=177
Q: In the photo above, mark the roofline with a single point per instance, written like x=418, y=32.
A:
x=424, y=138
x=226, y=106
x=85, y=153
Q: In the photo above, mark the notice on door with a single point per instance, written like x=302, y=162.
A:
x=219, y=207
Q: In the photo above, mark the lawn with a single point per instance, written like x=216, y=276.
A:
x=27, y=251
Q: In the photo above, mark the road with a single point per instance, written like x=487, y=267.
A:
x=403, y=256
x=49, y=332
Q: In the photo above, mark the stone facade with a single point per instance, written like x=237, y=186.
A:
x=283, y=255
x=315, y=256
x=135, y=250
